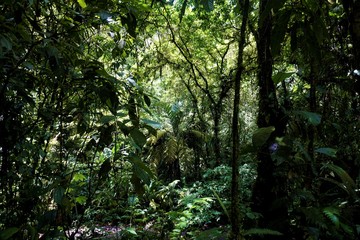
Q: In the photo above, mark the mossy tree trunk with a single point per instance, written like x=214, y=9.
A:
x=270, y=190
x=236, y=217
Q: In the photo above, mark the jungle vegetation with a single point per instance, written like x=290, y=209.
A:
x=180, y=119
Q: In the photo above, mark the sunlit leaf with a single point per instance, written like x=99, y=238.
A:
x=151, y=123
x=81, y=200
x=82, y=3
x=79, y=177
x=131, y=230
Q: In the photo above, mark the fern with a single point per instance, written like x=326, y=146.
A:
x=314, y=216
x=332, y=214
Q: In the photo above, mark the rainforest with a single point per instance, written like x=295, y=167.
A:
x=180, y=119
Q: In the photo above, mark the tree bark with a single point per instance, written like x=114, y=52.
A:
x=236, y=217
x=270, y=190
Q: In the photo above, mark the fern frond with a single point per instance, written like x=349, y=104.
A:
x=261, y=232
x=332, y=214
x=314, y=216
x=171, y=150
x=349, y=230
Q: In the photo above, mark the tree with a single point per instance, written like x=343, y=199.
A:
x=60, y=105
x=270, y=189
x=235, y=162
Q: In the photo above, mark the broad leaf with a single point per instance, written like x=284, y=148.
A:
x=8, y=233
x=327, y=151
x=281, y=76
x=138, y=137
x=271, y=6
x=140, y=169
x=131, y=230
x=147, y=100
x=279, y=31
x=81, y=200
x=151, y=123
x=261, y=135
x=82, y=3
x=344, y=176
x=107, y=119
x=59, y=194
x=311, y=117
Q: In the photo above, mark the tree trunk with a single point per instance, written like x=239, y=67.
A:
x=216, y=140
x=236, y=217
x=270, y=189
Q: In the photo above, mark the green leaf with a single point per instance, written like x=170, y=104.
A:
x=147, y=100
x=107, y=119
x=311, y=117
x=8, y=233
x=331, y=213
x=82, y=3
x=79, y=177
x=248, y=148
x=131, y=230
x=151, y=123
x=140, y=169
x=262, y=231
x=349, y=183
x=331, y=152
x=221, y=203
x=81, y=200
x=279, y=31
x=312, y=5
x=261, y=135
x=5, y=43
x=59, y=194
x=281, y=76
x=151, y=130
x=271, y=6
x=138, y=137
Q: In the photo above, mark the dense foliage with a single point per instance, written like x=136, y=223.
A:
x=187, y=119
